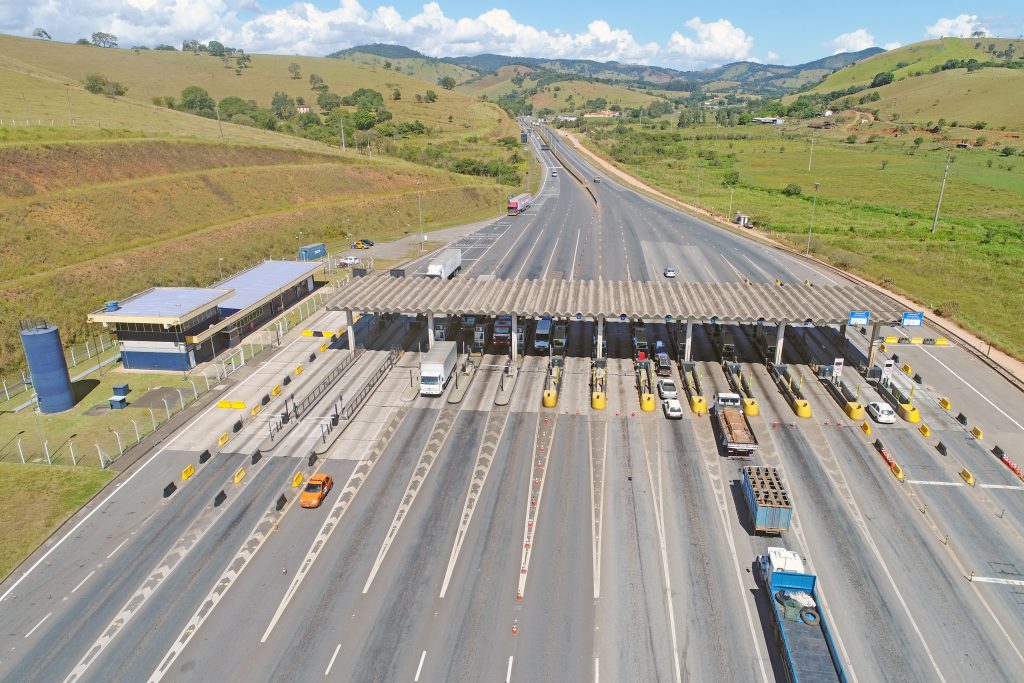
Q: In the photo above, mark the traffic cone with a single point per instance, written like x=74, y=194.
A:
x=515, y=628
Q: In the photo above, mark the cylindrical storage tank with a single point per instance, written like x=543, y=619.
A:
x=48, y=368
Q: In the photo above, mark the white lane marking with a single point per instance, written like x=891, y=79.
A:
x=935, y=483
x=177, y=435
x=993, y=579
x=117, y=548
x=572, y=271
x=554, y=250
x=966, y=383
x=419, y=669
x=1001, y=486
x=597, y=513
x=508, y=672
x=335, y=656
x=80, y=583
x=38, y=625
x=597, y=670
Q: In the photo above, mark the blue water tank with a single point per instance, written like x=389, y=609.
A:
x=48, y=367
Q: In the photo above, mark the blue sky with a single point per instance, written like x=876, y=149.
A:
x=676, y=34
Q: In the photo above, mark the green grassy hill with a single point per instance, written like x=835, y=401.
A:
x=422, y=68
x=994, y=96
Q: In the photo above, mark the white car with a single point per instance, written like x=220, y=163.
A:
x=667, y=389
x=554, y=174
x=349, y=260
x=669, y=272
x=882, y=413
x=673, y=409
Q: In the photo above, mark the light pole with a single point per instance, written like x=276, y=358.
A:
x=810, y=227
x=945, y=174
x=220, y=266
x=729, y=215
x=419, y=205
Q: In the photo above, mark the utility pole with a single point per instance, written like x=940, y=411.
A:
x=810, y=227
x=220, y=127
x=70, y=114
x=945, y=174
x=810, y=155
x=419, y=205
x=343, y=136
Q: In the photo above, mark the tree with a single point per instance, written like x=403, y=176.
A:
x=419, y=97
x=95, y=83
x=364, y=118
x=82, y=41
x=104, y=39
x=731, y=178
x=883, y=78
x=792, y=190
x=196, y=101
x=232, y=105
x=446, y=82
x=215, y=48
x=282, y=105
x=295, y=70
x=315, y=81
x=41, y=33
x=396, y=94
x=164, y=47
x=328, y=101
x=431, y=96
x=387, y=64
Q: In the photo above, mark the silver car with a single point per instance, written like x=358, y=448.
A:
x=667, y=389
x=673, y=409
x=882, y=413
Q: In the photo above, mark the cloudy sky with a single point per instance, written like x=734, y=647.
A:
x=678, y=34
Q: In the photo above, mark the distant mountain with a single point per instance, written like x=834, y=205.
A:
x=382, y=50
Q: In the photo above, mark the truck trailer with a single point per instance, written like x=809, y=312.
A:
x=737, y=437
x=436, y=368
x=802, y=633
x=767, y=499
x=445, y=265
x=519, y=203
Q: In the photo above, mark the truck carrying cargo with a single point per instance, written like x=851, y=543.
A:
x=767, y=499
x=802, y=634
x=502, y=331
x=737, y=438
x=436, y=368
x=445, y=265
x=519, y=203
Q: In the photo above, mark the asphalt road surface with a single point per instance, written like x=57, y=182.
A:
x=481, y=536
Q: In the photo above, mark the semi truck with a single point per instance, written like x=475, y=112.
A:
x=445, y=265
x=560, y=338
x=502, y=331
x=767, y=500
x=436, y=368
x=737, y=438
x=802, y=633
x=519, y=203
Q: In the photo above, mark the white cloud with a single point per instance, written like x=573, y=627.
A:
x=854, y=41
x=772, y=57
x=960, y=27
x=305, y=28
x=893, y=45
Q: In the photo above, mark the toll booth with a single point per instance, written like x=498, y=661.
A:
x=521, y=334
x=441, y=328
x=560, y=338
x=481, y=335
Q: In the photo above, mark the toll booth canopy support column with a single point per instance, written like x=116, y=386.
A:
x=872, y=345
x=600, y=337
x=779, y=338
x=350, y=330
x=515, y=338
x=689, y=341
x=430, y=329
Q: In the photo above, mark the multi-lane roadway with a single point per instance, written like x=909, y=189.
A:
x=481, y=536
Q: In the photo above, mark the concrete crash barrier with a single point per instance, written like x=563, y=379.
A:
x=223, y=403
x=917, y=340
x=978, y=434
x=256, y=410
x=897, y=471
x=219, y=498
x=925, y=430
x=307, y=333
x=647, y=403
x=265, y=400
x=169, y=489
x=239, y=475
x=909, y=413
x=281, y=502
x=287, y=380
x=323, y=347
x=297, y=480
x=312, y=357
x=598, y=400
x=550, y=398
x=698, y=404
x=223, y=439
x=237, y=427
x=238, y=405
x=204, y=456
x=962, y=419
x=942, y=341
x=940, y=447
x=854, y=410
x=907, y=369
x=312, y=460
x=866, y=427
x=276, y=390
x=750, y=407
x=298, y=369
x=968, y=477
x=892, y=340
x=802, y=407
x=944, y=402
x=188, y=472
x=256, y=456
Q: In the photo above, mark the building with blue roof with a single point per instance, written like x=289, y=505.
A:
x=175, y=328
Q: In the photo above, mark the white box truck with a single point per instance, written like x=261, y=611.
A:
x=445, y=265
x=436, y=368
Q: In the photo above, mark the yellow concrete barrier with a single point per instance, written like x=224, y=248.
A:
x=854, y=410
x=944, y=402
x=307, y=333
x=977, y=433
x=238, y=405
x=966, y=475
x=298, y=369
x=647, y=403
x=778, y=282
x=917, y=340
x=323, y=347
x=907, y=369
x=897, y=471
x=909, y=413
x=188, y=472
x=750, y=407
x=223, y=403
x=256, y=410
x=891, y=340
x=239, y=475
x=297, y=480
x=866, y=427
x=942, y=341
x=881, y=347
x=223, y=439
x=276, y=390
x=925, y=429
x=328, y=334
x=598, y=400
x=698, y=404
x=550, y=398
x=801, y=407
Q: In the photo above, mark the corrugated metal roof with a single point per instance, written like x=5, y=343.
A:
x=263, y=280
x=161, y=305
x=728, y=301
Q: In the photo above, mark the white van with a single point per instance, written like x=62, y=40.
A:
x=542, y=335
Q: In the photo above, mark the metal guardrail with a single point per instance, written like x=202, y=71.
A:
x=304, y=405
x=351, y=406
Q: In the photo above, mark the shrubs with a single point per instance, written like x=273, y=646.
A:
x=792, y=190
x=98, y=84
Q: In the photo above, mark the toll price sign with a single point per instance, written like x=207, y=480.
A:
x=859, y=318
x=912, y=319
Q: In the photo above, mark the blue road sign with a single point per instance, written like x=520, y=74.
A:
x=859, y=317
x=912, y=319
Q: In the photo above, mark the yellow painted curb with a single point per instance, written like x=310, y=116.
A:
x=892, y=340
x=298, y=369
x=238, y=405
x=925, y=429
x=239, y=475
x=647, y=403
x=223, y=403
x=801, y=407
x=750, y=407
x=897, y=471
x=598, y=400
x=854, y=410
x=297, y=480
x=276, y=390
x=223, y=439
x=307, y=333
x=907, y=369
x=942, y=341
x=966, y=475
x=866, y=427
x=698, y=404
x=256, y=410
x=909, y=413
x=323, y=347
x=977, y=433
x=188, y=472
x=944, y=402
x=917, y=340
x=550, y=398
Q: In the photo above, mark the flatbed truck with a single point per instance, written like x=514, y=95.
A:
x=736, y=435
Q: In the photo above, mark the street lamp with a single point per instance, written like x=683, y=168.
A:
x=810, y=227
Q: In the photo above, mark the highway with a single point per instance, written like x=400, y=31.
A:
x=482, y=536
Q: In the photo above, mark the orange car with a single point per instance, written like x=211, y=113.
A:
x=316, y=489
